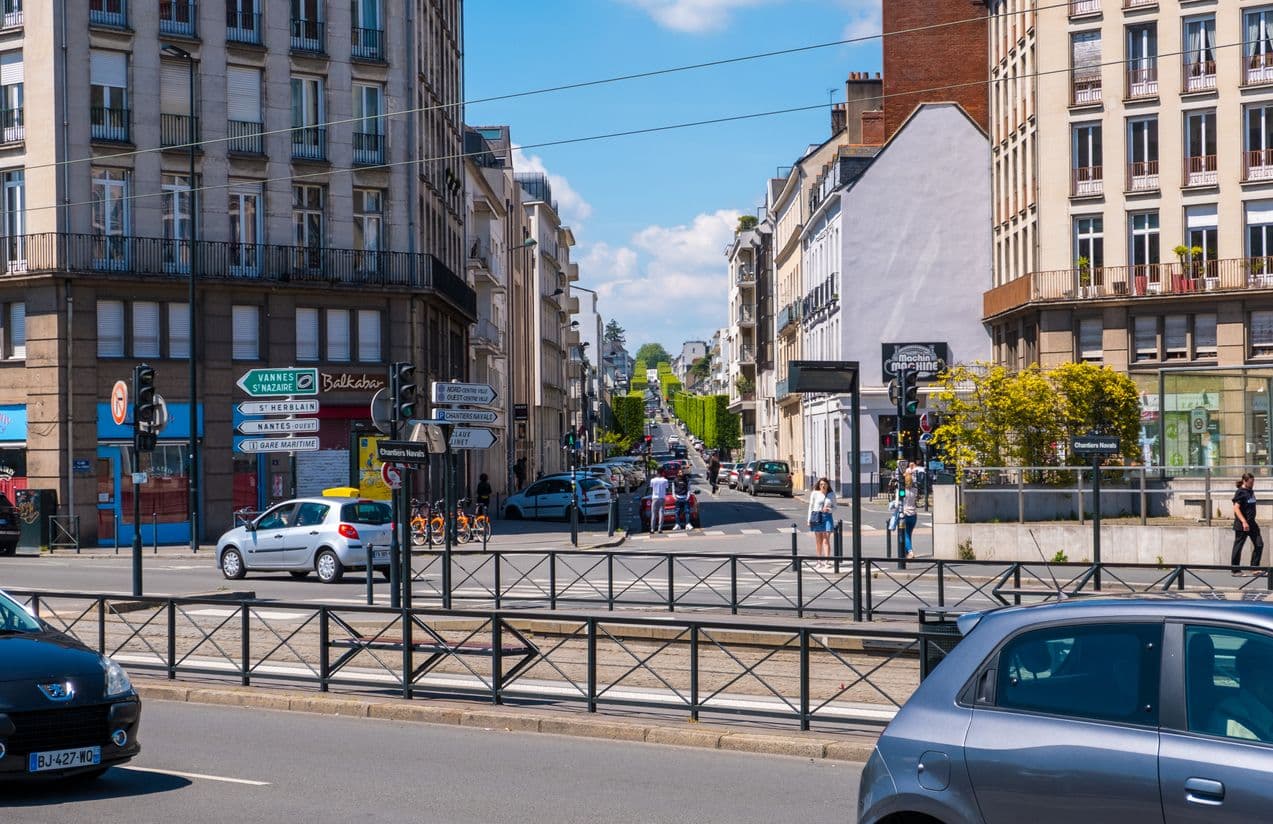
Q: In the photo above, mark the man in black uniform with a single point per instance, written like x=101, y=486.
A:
x=1244, y=525
x=713, y=473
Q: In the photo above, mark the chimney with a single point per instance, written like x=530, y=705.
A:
x=839, y=118
x=873, y=128
x=862, y=93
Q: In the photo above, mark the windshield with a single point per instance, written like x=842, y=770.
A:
x=775, y=467
x=372, y=513
x=13, y=618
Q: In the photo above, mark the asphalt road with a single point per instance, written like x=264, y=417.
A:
x=217, y=764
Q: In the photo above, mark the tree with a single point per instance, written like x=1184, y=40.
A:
x=653, y=353
x=701, y=368
x=745, y=223
x=615, y=333
x=1098, y=399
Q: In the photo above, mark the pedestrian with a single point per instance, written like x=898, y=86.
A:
x=483, y=493
x=519, y=469
x=1244, y=525
x=821, y=503
x=658, y=499
x=906, y=502
x=713, y=473
x=681, y=494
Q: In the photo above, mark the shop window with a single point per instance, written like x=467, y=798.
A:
x=145, y=329
x=246, y=331
x=1204, y=336
x=337, y=334
x=369, y=335
x=1261, y=334
x=110, y=329
x=306, y=334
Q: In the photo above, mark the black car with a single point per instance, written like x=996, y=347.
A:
x=65, y=711
x=10, y=526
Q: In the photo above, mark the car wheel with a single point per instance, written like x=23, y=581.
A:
x=330, y=569
x=513, y=513
x=8, y=550
x=299, y=574
x=789, y=494
x=232, y=565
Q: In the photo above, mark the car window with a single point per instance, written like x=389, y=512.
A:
x=537, y=489
x=1106, y=672
x=777, y=467
x=372, y=513
x=13, y=618
x=277, y=518
x=311, y=514
x=1229, y=683
x=591, y=483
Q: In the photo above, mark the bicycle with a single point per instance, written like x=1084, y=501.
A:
x=422, y=527
x=481, y=524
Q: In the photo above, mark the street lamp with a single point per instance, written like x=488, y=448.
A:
x=511, y=422
x=192, y=317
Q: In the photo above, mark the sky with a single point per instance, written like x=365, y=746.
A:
x=653, y=214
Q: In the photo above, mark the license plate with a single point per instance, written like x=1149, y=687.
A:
x=64, y=759
x=379, y=556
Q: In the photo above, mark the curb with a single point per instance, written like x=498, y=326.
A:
x=855, y=747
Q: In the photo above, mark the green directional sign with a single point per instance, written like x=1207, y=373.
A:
x=264, y=383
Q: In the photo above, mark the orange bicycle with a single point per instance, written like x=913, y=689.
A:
x=481, y=523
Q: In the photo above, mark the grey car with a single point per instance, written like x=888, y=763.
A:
x=773, y=477
x=304, y=535
x=1100, y=711
x=744, y=475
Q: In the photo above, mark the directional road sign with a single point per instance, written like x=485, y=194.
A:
x=277, y=426
x=402, y=452
x=478, y=416
x=277, y=445
x=463, y=437
x=479, y=394
x=1094, y=444
x=119, y=403
x=306, y=407
x=262, y=383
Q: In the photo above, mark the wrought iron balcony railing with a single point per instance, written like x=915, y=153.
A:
x=109, y=124
x=309, y=143
x=368, y=44
x=369, y=148
x=177, y=17
x=307, y=35
x=245, y=137
x=178, y=129
x=12, y=127
x=242, y=27
x=108, y=13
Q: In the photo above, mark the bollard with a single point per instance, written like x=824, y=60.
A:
x=858, y=574
x=115, y=529
x=574, y=523
x=612, y=517
x=837, y=548
x=371, y=589
x=795, y=561
x=888, y=542
x=1207, y=495
x=154, y=532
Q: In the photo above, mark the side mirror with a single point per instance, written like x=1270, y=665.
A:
x=250, y=526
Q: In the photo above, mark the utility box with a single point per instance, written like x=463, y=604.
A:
x=35, y=507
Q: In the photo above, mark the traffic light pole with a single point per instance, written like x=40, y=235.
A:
x=448, y=517
x=136, y=514
x=399, y=536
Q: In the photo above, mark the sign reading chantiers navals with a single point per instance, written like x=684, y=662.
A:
x=928, y=359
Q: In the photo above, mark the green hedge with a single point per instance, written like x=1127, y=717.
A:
x=708, y=417
x=629, y=415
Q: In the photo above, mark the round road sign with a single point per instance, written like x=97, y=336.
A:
x=391, y=474
x=119, y=403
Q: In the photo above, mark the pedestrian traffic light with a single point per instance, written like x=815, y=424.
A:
x=145, y=408
x=910, y=391
x=568, y=440
x=649, y=438
x=402, y=391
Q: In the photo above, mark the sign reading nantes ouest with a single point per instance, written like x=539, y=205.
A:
x=928, y=359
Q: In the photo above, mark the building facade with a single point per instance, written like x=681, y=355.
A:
x=741, y=335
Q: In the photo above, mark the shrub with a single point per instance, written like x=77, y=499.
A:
x=964, y=550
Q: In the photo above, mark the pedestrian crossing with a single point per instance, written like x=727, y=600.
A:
x=729, y=531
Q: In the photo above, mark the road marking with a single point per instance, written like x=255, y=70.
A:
x=217, y=612
x=751, y=531
x=198, y=776
x=714, y=532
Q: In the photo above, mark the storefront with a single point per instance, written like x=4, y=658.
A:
x=1194, y=419
x=13, y=449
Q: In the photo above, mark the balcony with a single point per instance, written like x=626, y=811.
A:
x=369, y=149
x=12, y=16
x=1087, y=181
x=177, y=17
x=1259, y=69
x=1199, y=76
x=789, y=317
x=1142, y=80
x=1138, y=4
x=487, y=337
x=367, y=44
x=1085, y=91
x=1257, y=165
x=309, y=143
x=307, y=36
x=746, y=316
x=780, y=389
x=480, y=261
x=1142, y=176
x=1200, y=171
x=112, y=13
x=1116, y=283
x=1079, y=8
x=178, y=130
x=242, y=27
x=746, y=276
x=109, y=125
x=747, y=354
x=146, y=257
x=12, y=128
x=245, y=137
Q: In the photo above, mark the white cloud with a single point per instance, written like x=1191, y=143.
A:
x=574, y=209
x=693, y=16
x=865, y=18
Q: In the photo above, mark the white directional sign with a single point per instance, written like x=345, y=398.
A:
x=277, y=445
x=307, y=407
x=466, y=438
x=480, y=394
x=466, y=415
x=278, y=426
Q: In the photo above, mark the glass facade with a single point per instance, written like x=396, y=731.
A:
x=1192, y=419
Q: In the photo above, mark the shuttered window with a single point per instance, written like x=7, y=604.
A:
x=1091, y=347
x=369, y=335
x=145, y=329
x=246, y=328
x=179, y=330
x=1261, y=331
x=17, y=330
x=110, y=329
x=306, y=334
x=1146, y=337
x=174, y=88
x=337, y=334
x=1176, y=337
x=108, y=69
x=243, y=94
x=1204, y=336
x=11, y=68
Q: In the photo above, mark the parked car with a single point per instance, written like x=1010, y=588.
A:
x=10, y=526
x=669, y=510
x=304, y=535
x=612, y=475
x=68, y=711
x=735, y=470
x=771, y=477
x=745, y=476
x=550, y=496
x=633, y=476
x=1101, y=710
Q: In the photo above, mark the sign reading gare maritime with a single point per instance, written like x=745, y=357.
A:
x=928, y=359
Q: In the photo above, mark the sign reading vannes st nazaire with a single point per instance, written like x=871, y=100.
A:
x=928, y=359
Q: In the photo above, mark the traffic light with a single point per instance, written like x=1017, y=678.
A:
x=649, y=438
x=145, y=408
x=402, y=392
x=568, y=440
x=909, y=380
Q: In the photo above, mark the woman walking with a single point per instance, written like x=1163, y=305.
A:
x=821, y=503
x=1244, y=525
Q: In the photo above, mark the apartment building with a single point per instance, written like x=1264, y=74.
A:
x=741, y=335
x=308, y=244
x=588, y=388
x=1159, y=259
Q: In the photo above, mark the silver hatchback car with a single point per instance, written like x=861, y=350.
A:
x=304, y=535
x=1100, y=711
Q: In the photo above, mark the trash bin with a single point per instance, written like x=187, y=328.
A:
x=34, y=508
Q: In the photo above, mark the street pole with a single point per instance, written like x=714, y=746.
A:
x=855, y=470
x=1096, y=519
x=192, y=321
x=136, y=517
x=448, y=515
x=406, y=573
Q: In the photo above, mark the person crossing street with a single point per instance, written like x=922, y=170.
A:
x=681, y=494
x=658, y=497
x=713, y=473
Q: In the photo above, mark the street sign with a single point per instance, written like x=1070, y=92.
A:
x=391, y=475
x=402, y=452
x=924, y=438
x=463, y=437
x=277, y=445
x=478, y=416
x=380, y=411
x=478, y=394
x=307, y=407
x=119, y=403
x=278, y=426
x=140, y=478
x=261, y=383
x=925, y=424
x=1094, y=444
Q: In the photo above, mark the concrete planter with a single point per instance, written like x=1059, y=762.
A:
x=1120, y=543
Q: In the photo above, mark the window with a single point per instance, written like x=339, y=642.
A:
x=307, y=25
x=1258, y=158
x=368, y=31
x=306, y=334
x=12, y=82
x=1091, y=346
x=369, y=335
x=1225, y=675
x=337, y=334
x=145, y=329
x=1204, y=335
x=369, y=125
x=1089, y=241
x=1176, y=337
x=1259, y=233
x=1261, y=333
x=110, y=218
x=110, y=329
x=1259, y=46
x=179, y=330
x=1085, y=58
x=17, y=330
x=1142, y=153
x=243, y=109
x=242, y=21
x=311, y=514
x=277, y=518
x=1142, y=60
x=246, y=333
x=176, y=104
x=245, y=230
x=1145, y=338
x=308, y=137
x=177, y=17
x=1200, y=222
x=1200, y=54
x=307, y=222
x=14, y=183
x=107, y=12
x=1088, y=160
x=1144, y=245
x=368, y=222
x=1103, y=672
x=1200, y=148
x=178, y=222
x=108, y=95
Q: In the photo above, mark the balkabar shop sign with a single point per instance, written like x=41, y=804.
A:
x=350, y=381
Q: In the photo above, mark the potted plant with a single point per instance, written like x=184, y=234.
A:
x=1084, y=267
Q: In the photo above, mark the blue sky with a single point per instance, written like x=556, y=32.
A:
x=652, y=214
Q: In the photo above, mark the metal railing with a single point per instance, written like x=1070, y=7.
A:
x=369, y=148
x=1142, y=176
x=747, y=315
x=307, y=35
x=1259, y=69
x=178, y=129
x=12, y=16
x=746, y=276
x=1085, y=91
x=747, y=354
x=12, y=125
x=108, y=13
x=1078, y=7
x=109, y=124
x=1199, y=75
x=242, y=27
x=245, y=137
x=309, y=143
x=1200, y=171
x=1142, y=79
x=488, y=334
x=1087, y=181
x=177, y=17
x=367, y=44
